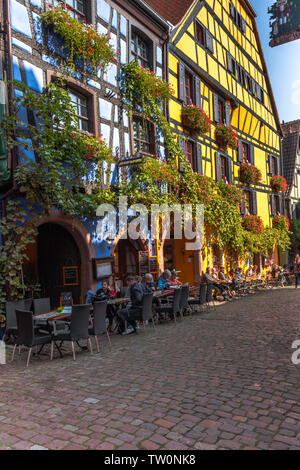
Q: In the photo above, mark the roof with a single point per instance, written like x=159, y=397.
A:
x=290, y=127
x=175, y=10
x=290, y=145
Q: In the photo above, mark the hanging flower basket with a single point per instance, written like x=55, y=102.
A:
x=82, y=40
x=195, y=118
x=281, y=222
x=250, y=174
x=226, y=136
x=231, y=193
x=253, y=223
x=278, y=183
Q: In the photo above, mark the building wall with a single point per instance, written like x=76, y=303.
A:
x=38, y=56
x=254, y=119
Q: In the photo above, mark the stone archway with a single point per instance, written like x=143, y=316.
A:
x=83, y=240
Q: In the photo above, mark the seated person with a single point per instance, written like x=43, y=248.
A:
x=174, y=281
x=148, y=283
x=213, y=283
x=222, y=277
x=249, y=272
x=105, y=293
x=134, y=309
x=164, y=280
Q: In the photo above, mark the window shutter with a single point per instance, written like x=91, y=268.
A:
x=243, y=25
x=216, y=108
x=240, y=151
x=209, y=41
x=270, y=165
x=227, y=114
x=229, y=171
x=229, y=62
x=181, y=81
x=181, y=144
x=199, y=158
x=277, y=166
x=253, y=86
x=218, y=166
x=281, y=205
x=272, y=204
x=254, y=203
x=252, y=154
x=197, y=83
x=243, y=207
x=232, y=10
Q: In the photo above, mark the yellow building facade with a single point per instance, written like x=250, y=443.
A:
x=216, y=62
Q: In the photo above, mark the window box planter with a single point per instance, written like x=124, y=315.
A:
x=231, y=193
x=226, y=136
x=195, y=119
x=278, y=183
x=250, y=174
x=82, y=40
x=253, y=223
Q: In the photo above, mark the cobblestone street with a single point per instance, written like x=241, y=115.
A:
x=218, y=380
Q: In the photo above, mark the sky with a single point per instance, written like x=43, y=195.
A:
x=283, y=64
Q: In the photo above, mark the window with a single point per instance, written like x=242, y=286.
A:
x=140, y=50
x=143, y=138
x=188, y=88
x=237, y=18
x=224, y=168
x=189, y=152
x=222, y=117
x=77, y=8
x=231, y=65
x=245, y=152
x=80, y=103
x=248, y=205
x=241, y=75
x=274, y=166
x=277, y=205
x=200, y=33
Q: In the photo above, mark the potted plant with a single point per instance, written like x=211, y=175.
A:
x=195, y=118
x=2, y=325
x=278, y=183
x=226, y=136
x=253, y=223
x=249, y=173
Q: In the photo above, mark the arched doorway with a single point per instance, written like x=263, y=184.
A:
x=59, y=263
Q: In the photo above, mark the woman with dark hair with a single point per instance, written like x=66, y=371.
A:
x=297, y=270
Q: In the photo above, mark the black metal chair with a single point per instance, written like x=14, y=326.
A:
x=66, y=299
x=26, y=334
x=79, y=327
x=201, y=301
x=41, y=305
x=171, y=308
x=99, y=322
x=147, y=311
x=184, y=300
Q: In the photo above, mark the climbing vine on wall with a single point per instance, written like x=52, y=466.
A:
x=59, y=168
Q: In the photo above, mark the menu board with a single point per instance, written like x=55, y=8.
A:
x=144, y=262
x=153, y=265
x=70, y=276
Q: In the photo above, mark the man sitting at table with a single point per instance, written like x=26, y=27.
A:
x=148, y=283
x=133, y=311
x=105, y=293
x=213, y=284
x=164, y=280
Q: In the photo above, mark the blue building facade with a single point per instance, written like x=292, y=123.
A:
x=35, y=55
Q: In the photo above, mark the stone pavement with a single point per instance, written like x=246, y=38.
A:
x=219, y=380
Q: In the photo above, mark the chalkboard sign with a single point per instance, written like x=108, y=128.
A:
x=153, y=265
x=144, y=262
x=70, y=276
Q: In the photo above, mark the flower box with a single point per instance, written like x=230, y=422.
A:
x=250, y=174
x=195, y=118
x=231, y=193
x=278, y=183
x=226, y=136
x=253, y=223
